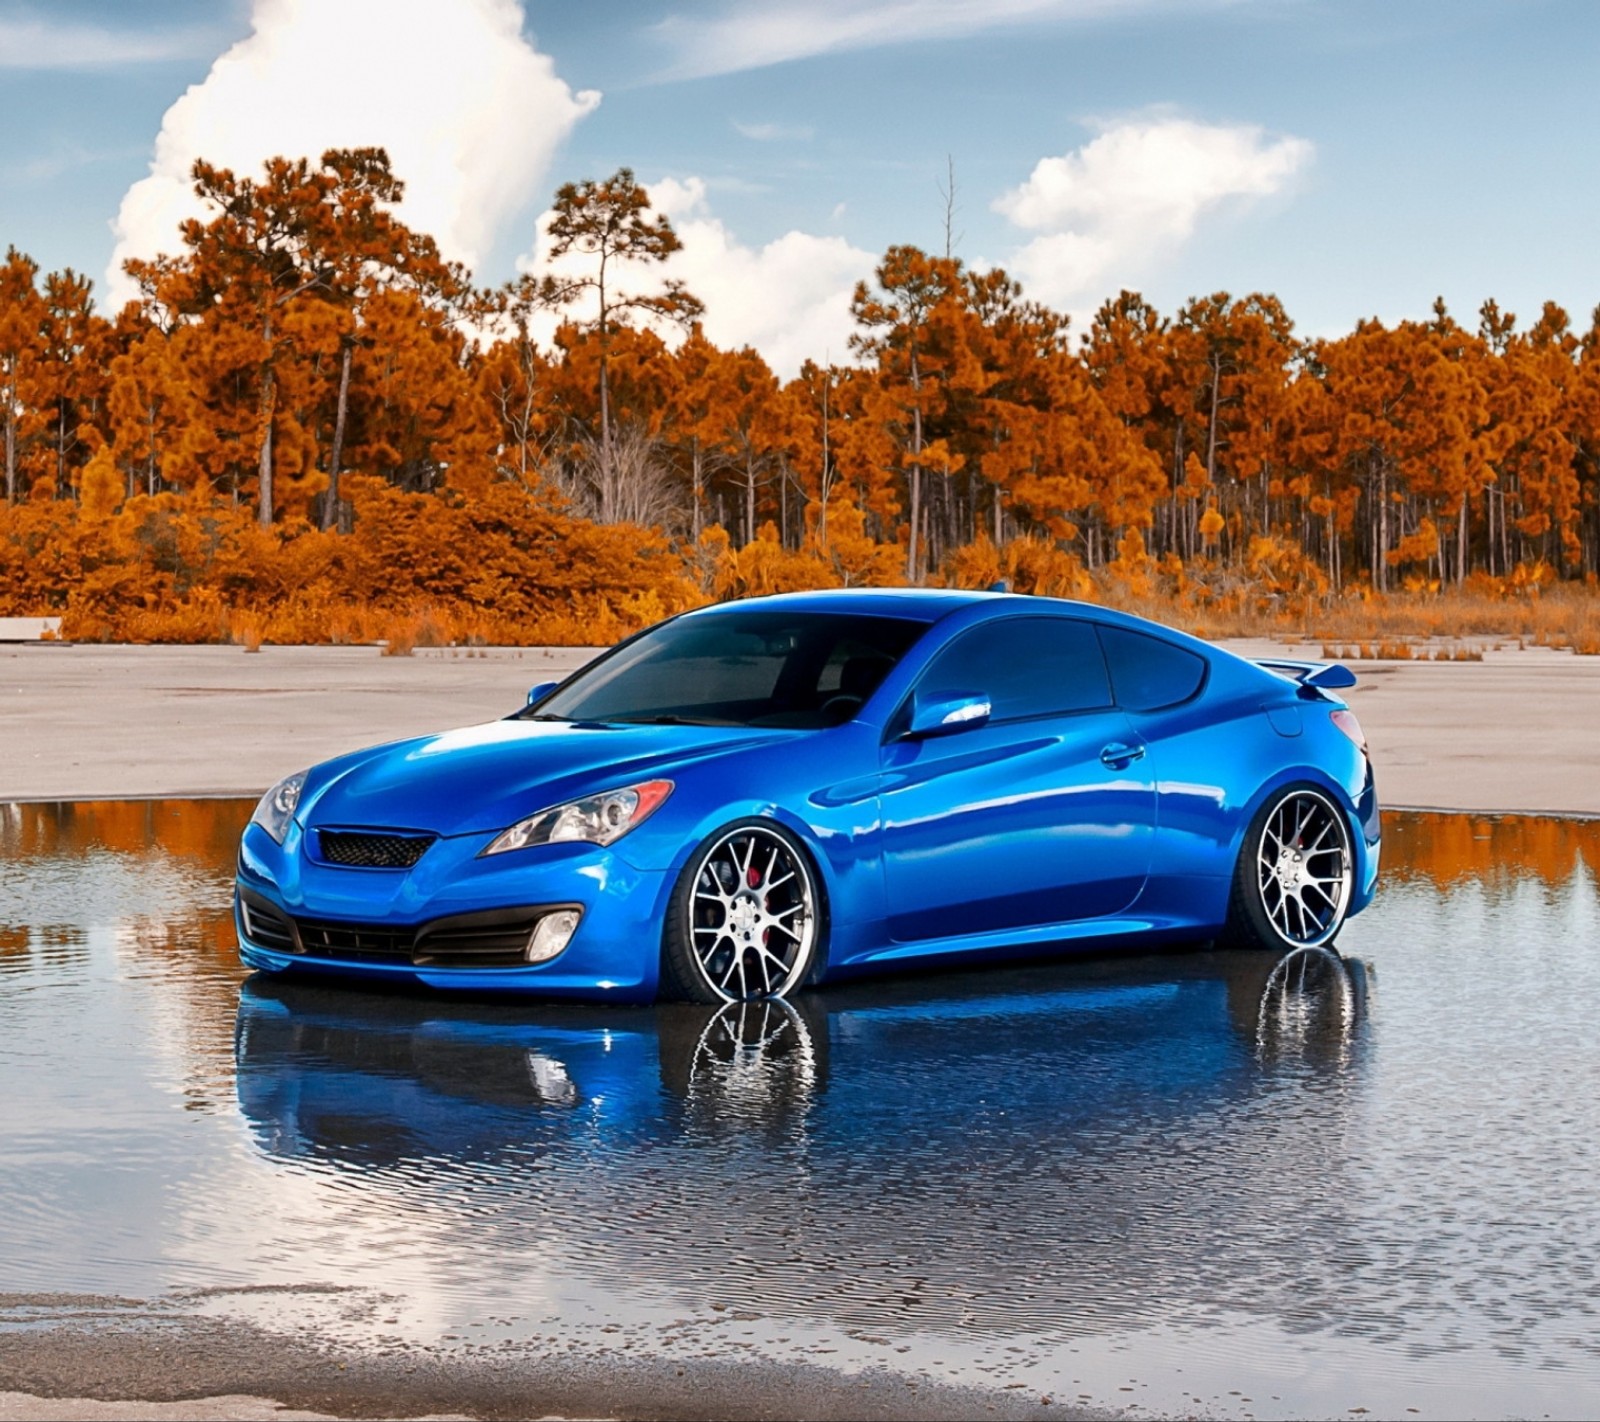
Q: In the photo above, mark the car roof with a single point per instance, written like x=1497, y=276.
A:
x=912, y=604
x=930, y=604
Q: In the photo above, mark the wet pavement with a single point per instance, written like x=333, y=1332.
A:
x=1194, y=1183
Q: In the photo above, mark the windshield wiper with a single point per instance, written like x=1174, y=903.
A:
x=667, y=720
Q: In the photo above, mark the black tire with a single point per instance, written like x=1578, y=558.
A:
x=1292, y=886
x=746, y=917
x=1313, y=1002
x=711, y=1055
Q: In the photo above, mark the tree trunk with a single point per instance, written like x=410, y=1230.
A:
x=264, y=469
x=697, y=484
x=1175, y=532
x=1333, y=540
x=916, y=515
x=11, y=444
x=605, y=375
x=913, y=568
x=1381, y=549
x=822, y=477
x=749, y=496
x=1211, y=420
x=1504, y=538
x=332, y=510
x=150, y=453
x=268, y=399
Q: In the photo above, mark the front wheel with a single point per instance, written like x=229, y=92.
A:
x=1291, y=886
x=744, y=919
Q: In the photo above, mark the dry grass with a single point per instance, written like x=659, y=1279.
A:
x=1564, y=617
x=427, y=628
x=1392, y=651
x=247, y=627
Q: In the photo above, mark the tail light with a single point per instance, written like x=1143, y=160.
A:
x=1346, y=722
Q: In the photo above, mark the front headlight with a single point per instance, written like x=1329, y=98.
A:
x=595, y=819
x=278, y=805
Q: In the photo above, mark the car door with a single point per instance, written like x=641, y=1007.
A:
x=1044, y=814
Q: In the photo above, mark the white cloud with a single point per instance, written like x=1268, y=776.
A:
x=790, y=299
x=744, y=36
x=29, y=43
x=774, y=132
x=1133, y=195
x=470, y=113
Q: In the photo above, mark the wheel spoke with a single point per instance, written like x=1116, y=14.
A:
x=1321, y=892
x=1301, y=821
x=767, y=952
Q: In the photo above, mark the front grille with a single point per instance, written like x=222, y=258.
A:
x=367, y=942
x=360, y=849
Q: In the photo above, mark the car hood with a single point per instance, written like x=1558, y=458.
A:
x=484, y=778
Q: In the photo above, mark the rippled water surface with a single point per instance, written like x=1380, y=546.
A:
x=1196, y=1181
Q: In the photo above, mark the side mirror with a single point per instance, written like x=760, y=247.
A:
x=542, y=690
x=947, y=714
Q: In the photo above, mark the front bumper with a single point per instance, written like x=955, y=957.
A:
x=614, y=956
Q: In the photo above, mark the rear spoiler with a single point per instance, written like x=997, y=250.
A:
x=1324, y=676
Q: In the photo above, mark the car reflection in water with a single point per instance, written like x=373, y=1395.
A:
x=1075, y=1146
x=377, y=1081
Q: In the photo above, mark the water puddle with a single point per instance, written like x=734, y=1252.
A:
x=1198, y=1182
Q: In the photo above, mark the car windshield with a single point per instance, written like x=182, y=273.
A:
x=798, y=670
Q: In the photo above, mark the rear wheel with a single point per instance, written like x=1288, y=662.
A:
x=1291, y=886
x=744, y=919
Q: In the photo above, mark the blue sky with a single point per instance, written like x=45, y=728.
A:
x=1356, y=158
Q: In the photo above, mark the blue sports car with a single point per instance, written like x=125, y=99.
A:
x=760, y=795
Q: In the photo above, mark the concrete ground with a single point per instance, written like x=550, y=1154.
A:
x=95, y=722
x=1512, y=732
x=24, y=1407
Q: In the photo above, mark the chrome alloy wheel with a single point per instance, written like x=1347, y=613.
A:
x=752, y=915
x=1304, y=868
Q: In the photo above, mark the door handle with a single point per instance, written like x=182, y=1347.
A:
x=1116, y=755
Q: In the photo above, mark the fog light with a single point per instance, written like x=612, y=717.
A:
x=554, y=932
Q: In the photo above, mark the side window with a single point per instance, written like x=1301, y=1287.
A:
x=1027, y=666
x=1148, y=673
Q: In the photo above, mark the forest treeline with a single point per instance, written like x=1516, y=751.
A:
x=309, y=424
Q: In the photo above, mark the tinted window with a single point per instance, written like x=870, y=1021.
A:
x=739, y=668
x=1148, y=673
x=1026, y=666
